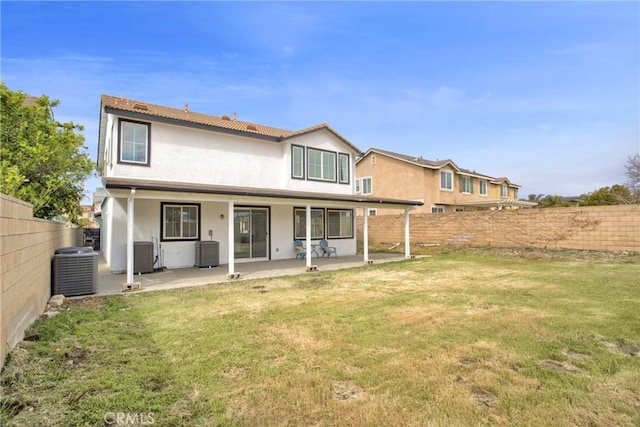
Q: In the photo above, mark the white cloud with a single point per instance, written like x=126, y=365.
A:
x=446, y=98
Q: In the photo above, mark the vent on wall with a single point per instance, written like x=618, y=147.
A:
x=75, y=271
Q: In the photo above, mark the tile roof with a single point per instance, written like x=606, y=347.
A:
x=438, y=164
x=417, y=160
x=186, y=115
x=224, y=122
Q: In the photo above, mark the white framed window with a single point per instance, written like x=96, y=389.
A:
x=504, y=190
x=466, y=184
x=300, y=223
x=482, y=184
x=134, y=142
x=340, y=223
x=358, y=185
x=321, y=165
x=515, y=193
x=372, y=211
x=437, y=209
x=343, y=168
x=180, y=221
x=297, y=162
x=446, y=180
x=367, y=185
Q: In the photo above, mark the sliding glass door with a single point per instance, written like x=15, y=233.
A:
x=251, y=229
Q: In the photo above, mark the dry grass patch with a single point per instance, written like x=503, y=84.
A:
x=463, y=338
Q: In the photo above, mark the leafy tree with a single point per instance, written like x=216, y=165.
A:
x=552, y=201
x=42, y=162
x=535, y=197
x=633, y=177
x=614, y=195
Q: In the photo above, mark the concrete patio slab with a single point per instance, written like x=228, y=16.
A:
x=111, y=283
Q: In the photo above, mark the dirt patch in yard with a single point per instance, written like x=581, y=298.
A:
x=558, y=366
x=628, y=349
x=483, y=397
x=346, y=390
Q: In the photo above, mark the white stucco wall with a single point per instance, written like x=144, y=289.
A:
x=182, y=254
x=184, y=154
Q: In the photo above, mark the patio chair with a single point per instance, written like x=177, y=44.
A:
x=326, y=249
x=301, y=252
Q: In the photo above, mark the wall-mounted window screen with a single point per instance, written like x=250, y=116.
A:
x=340, y=223
x=367, y=185
x=180, y=222
x=446, y=180
x=321, y=165
x=483, y=187
x=466, y=184
x=297, y=162
x=343, y=160
x=134, y=142
x=317, y=223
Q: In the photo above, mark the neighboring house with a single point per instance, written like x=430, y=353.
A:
x=441, y=185
x=174, y=177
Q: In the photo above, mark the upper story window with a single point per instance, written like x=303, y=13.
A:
x=504, y=190
x=366, y=185
x=180, y=221
x=515, y=193
x=134, y=142
x=466, y=184
x=343, y=168
x=321, y=165
x=297, y=162
x=446, y=180
x=483, y=187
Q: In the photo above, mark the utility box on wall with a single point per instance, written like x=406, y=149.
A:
x=207, y=254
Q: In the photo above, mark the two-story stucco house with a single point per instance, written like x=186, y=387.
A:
x=176, y=177
x=441, y=185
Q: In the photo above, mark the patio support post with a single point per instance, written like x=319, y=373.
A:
x=407, y=248
x=365, y=233
x=231, y=239
x=308, y=239
x=130, y=212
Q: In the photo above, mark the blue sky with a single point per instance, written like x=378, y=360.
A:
x=545, y=93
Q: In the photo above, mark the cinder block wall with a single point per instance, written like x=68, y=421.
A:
x=605, y=228
x=27, y=245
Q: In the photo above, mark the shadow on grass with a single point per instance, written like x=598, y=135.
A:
x=93, y=364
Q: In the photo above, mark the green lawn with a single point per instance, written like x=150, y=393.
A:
x=462, y=338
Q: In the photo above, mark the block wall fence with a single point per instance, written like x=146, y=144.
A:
x=602, y=228
x=27, y=246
